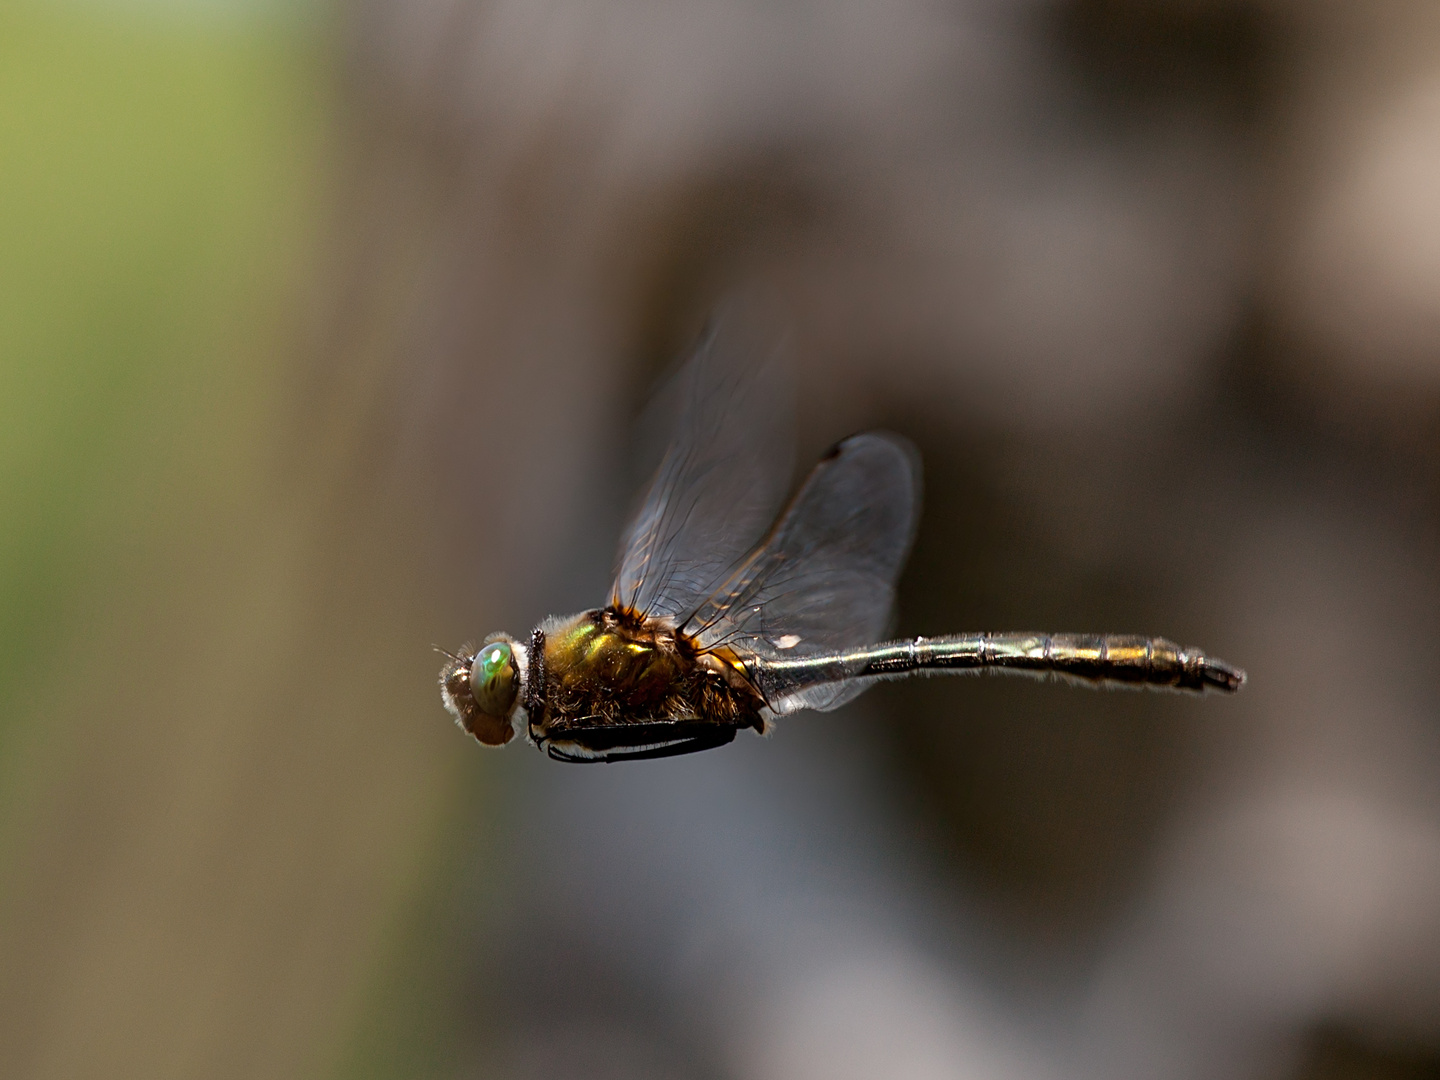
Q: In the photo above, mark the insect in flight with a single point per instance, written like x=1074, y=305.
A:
x=724, y=615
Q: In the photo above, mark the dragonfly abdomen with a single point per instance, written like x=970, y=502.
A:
x=1107, y=659
x=1101, y=658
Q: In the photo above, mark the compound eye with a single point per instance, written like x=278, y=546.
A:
x=493, y=680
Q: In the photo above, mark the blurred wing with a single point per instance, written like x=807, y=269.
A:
x=724, y=476
x=825, y=578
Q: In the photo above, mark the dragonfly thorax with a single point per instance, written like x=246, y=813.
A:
x=612, y=679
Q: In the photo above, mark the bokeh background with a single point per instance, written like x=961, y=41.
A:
x=323, y=330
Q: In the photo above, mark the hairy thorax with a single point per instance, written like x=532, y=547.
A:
x=610, y=667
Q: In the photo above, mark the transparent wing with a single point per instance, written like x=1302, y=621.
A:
x=824, y=579
x=725, y=474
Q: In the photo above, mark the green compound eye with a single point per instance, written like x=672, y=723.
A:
x=492, y=679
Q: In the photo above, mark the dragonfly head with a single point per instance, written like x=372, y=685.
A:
x=482, y=689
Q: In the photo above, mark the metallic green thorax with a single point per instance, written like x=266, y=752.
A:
x=610, y=668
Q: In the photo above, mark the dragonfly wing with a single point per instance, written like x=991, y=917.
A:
x=725, y=474
x=824, y=579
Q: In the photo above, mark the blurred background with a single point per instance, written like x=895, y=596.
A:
x=323, y=330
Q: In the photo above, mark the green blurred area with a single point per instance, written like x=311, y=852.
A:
x=158, y=191
x=212, y=862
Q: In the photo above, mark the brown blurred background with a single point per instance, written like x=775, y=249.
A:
x=322, y=334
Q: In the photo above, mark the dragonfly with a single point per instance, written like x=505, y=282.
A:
x=732, y=606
